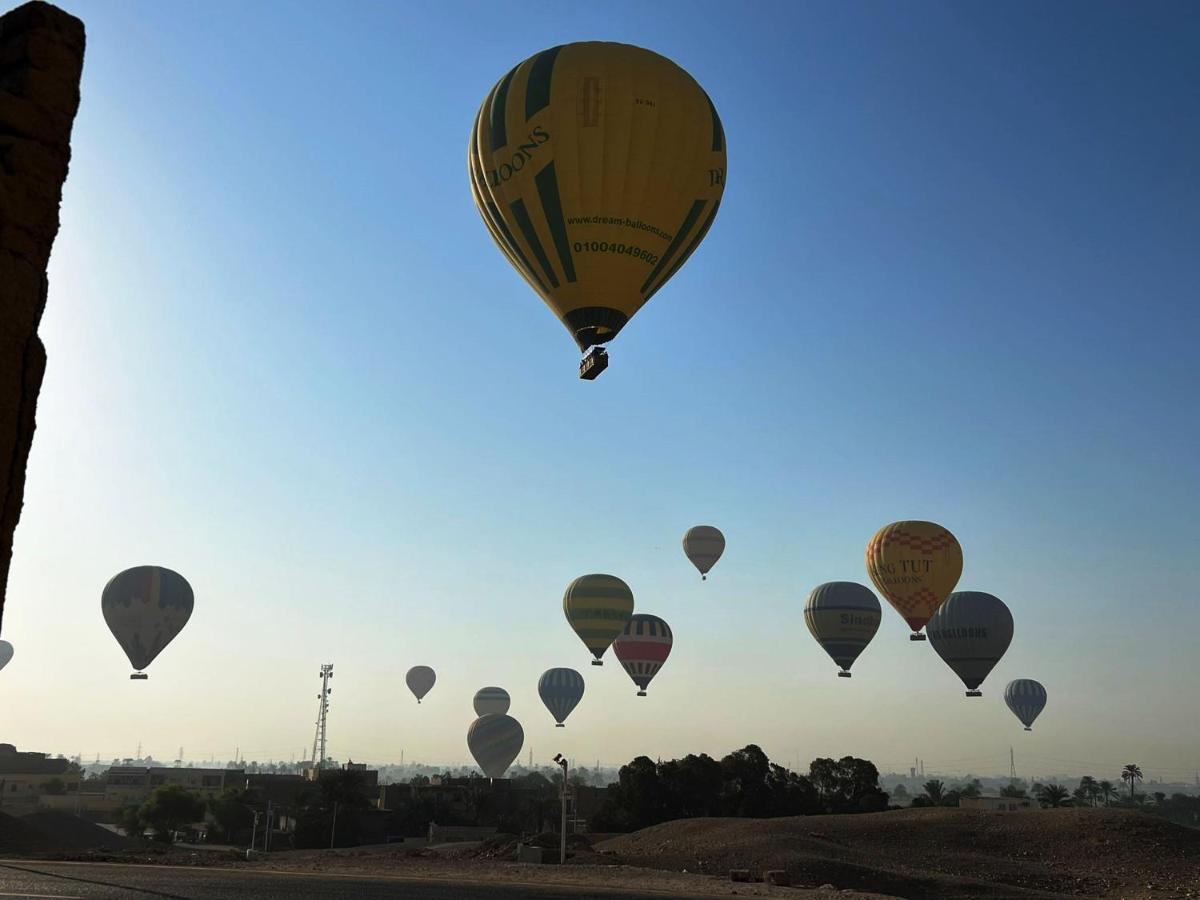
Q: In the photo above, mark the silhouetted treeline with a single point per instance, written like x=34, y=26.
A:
x=744, y=783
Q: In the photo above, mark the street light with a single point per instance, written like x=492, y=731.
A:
x=562, y=838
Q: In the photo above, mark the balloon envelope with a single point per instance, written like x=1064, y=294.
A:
x=560, y=690
x=491, y=701
x=597, y=608
x=598, y=169
x=494, y=741
x=971, y=631
x=1026, y=698
x=6, y=653
x=915, y=565
x=145, y=607
x=843, y=616
x=703, y=545
x=420, y=680
x=643, y=647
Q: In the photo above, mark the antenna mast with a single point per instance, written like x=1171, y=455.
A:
x=322, y=716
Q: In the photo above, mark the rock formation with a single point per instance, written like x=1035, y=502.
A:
x=41, y=59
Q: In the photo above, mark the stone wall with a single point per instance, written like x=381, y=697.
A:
x=41, y=60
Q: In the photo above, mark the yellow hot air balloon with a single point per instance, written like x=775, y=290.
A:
x=598, y=169
x=598, y=608
x=915, y=565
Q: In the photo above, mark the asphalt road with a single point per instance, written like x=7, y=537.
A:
x=58, y=880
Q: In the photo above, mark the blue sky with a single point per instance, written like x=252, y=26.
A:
x=954, y=277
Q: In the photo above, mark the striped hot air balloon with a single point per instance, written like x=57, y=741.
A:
x=970, y=632
x=495, y=740
x=843, y=617
x=915, y=565
x=598, y=169
x=643, y=647
x=491, y=701
x=1026, y=698
x=703, y=545
x=420, y=680
x=597, y=608
x=145, y=608
x=561, y=690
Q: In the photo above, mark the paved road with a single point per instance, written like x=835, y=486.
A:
x=33, y=879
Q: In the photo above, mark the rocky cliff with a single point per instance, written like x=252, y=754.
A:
x=41, y=60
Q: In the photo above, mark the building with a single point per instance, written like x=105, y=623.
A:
x=1003, y=804
x=26, y=777
x=131, y=785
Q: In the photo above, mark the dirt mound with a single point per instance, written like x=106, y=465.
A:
x=939, y=853
x=19, y=837
x=70, y=833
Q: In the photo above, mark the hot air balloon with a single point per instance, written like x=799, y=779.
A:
x=491, y=701
x=843, y=617
x=703, y=546
x=598, y=169
x=420, y=680
x=494, y=741
x=971, y=631
x=597, y=608
x=1026, y=698
x=6, y=653
x=145, y=608
x=643, y=647
x=915, y=565
x=561, y=690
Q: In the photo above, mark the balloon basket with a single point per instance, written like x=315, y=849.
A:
x=139, y=676
x=704, y=578
x=1027, y=728
x=641, y=693
x=974, y=693
x=843, y=674
x=917, y=637
x=560, y=725
x=597, y=662
x=593, y=363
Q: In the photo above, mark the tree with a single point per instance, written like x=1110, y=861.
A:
x=1131, y=773
x=973, y=788
x=935, y=791
x=900, y=792
x=849, y=784
x=1088, y=790
x=232, y=812
x=1107, y=791
x=169, y=808
x=1053, y=795
x=1013, y=790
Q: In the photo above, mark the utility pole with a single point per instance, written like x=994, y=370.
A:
x=322, y=713
x=1012, y=765
x=333, y=828
x=562, y=837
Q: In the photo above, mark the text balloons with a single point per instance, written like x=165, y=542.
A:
x=703, y=545
x=915, y=565
x=491, y=701
x=843, y=617
x=560, y=690
x=145, y=608
x=420, y=680
x=495, y=740
x=6, y=653
x=643, y=647
x=970, y=632
x=597, y=608
x=1026, y=698
x=598, y=169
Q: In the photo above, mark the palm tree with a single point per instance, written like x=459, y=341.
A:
x=1089, y=789
x=1107, y=791
x=1131, y=773
x=935, y=791
x=1054, y=795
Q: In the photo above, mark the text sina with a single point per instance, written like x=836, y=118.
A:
x=505, y=171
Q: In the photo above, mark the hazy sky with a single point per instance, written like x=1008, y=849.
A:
x=955, y=277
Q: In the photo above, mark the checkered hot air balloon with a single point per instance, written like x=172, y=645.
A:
x=970, y=632
x=915, y=565
x=491, y=701
x=703, y=545
x=145, y=608
x=643, y=647
x=560, y=690
x=1026, y=698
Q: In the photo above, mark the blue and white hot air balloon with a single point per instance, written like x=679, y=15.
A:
x=1026, y=698
x=561, y=690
